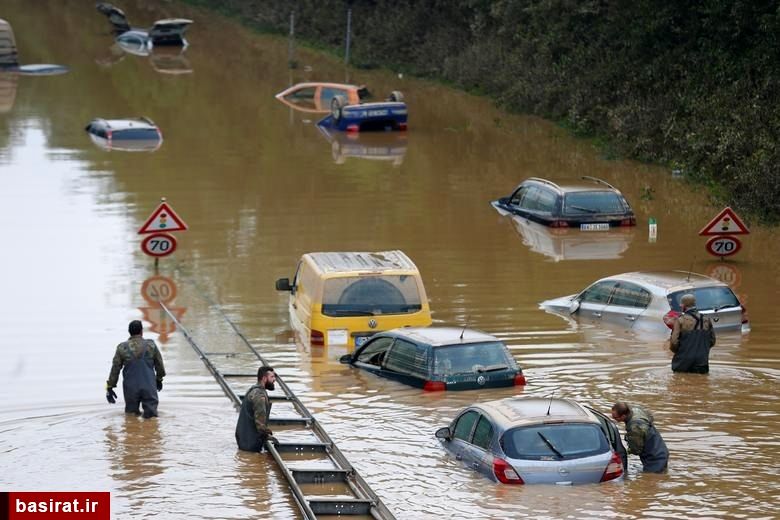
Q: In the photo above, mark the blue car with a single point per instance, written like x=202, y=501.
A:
x=383, y=115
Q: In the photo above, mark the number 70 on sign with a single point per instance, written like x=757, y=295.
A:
x=159, y=244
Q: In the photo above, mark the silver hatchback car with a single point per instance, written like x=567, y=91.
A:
x=534, y=440
x=647, y=300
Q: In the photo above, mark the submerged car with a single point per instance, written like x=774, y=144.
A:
x=389, y=147
x=140, y=41
x=439, y=358
x=533, y=440
x=130, y=135
x=390, y=114
x=589, y=204
x=9, y=57
x=652, y=299
x=316, y=97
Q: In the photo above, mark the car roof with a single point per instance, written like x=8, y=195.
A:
x=668, y=281
x=523, y=411
x=441, y=336
x=346, y=262
x=124, y=124
x=585, y=183
x=307, y=84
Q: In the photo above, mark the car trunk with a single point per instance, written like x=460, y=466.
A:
x=586, y=470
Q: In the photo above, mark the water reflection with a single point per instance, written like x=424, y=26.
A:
x=386, y=146
x=155, y=290
x=134, y=446
x=8, y=82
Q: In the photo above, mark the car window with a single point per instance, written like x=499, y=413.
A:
x=530, y=198
x=464, y=425
x=545, y=201
x=598, y=292
x=136, y=133
x=706, y=298
x=571, y=440
x=592, y=202
x=518, y=195
x=630, y=295
x=374, y=350
x=467, y=359
x=303, y=98
x=483, y=433
x=328, y=93
x=408, y=358
x=371, y=295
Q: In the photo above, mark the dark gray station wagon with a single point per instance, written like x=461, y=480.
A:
x=438, y=358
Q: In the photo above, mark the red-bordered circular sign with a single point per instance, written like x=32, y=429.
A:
x=158, y=244
x=723, y=245
x=726, y=273
x=158, y=289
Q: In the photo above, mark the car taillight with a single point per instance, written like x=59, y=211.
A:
x=317, y=337
x=353, y=128
x=519, y=380
x=614, y=468
x=109, y=134
x=434, y=386
x=628, y=222
x=505, y=473
x=159, y=134
x=559, y=224
x=744, y=314
x=402, y=126
x=669, y=318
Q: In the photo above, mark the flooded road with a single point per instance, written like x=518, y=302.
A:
x=259, y=185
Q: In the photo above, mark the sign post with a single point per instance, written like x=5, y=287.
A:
x=720, y=229
x=162, y=221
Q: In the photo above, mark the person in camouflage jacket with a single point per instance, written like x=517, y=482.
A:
x=642, y=437
x=252, y=430
x=142, y=369
x=691, y=339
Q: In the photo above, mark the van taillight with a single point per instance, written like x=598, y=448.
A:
x=505, y=473
x=744, y=314
x=434, y=386
x=317, y=337
x=353, y=128
x=401, y=126
x=614, y=468
x=669, y=318
x=519, y=380
x=628, y=222
x=559, y=223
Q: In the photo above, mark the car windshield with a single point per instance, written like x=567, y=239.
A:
x=472, y=358
x=554, y=441
x=593, y=202
x=706, y=298
x=371, y=295
x=136, y=133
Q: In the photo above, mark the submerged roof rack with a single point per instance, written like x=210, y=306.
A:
x=599, y=181
x=545, y=181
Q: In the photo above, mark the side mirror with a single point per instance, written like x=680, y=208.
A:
x=283, y=284
x=444, y=433
x=346, y=359
x=574, y=306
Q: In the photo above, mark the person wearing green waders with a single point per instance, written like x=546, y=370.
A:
x=252, y=430
x=142, y=369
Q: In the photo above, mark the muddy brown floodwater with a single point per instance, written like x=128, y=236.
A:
x=259, y=185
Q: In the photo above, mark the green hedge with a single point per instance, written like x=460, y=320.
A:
x=689, y=84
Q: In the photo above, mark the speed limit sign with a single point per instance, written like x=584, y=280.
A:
x=723, y=245
x=158, y=244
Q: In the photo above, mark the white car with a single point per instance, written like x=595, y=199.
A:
x=647, y=300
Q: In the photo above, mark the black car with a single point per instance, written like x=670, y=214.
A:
x=438, y=358
x=589, y=204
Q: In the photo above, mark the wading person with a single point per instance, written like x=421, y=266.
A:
x=642, y=437
x=252, y=428
x=692, y=338
x=142, y=369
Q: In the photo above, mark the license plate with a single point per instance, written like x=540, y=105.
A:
x=360, y=340
x=601, y=226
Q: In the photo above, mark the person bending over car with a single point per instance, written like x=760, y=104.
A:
x=642, y=437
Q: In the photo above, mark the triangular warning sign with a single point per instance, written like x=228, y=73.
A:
x=726, y=223
x=163, y=219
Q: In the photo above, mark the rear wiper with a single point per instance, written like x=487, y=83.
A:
x=716, y=309
x=492, y=368
x=550, y=445
x=586, y=210
x=348, y=312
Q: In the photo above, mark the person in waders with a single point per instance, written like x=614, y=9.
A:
x=142, y=369
x=252, y=428
x=642, y=437
x=692, y=338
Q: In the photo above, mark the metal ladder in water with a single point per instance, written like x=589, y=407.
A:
x=363, y=500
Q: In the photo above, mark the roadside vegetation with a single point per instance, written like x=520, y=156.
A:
x=690, y=85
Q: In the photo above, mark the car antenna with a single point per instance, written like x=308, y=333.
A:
x=689, y=271
x=550, y=405
x=461, y=333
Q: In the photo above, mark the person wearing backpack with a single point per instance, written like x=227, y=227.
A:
x=692, y=338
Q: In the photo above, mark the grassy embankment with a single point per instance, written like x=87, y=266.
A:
x=690, y=85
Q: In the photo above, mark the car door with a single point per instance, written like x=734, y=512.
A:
x=371, y=356
x=407, y=362
x=612, y=433
x=626, y=304
x=593, y=300
x=479, y=456
x=462, y=429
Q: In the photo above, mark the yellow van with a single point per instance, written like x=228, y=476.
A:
x=344, y=298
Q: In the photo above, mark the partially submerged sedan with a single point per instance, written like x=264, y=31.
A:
x=650, y=299
x=316, y=97
x=533, y=440
x=439, y=358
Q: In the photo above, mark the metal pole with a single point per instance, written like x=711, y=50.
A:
x=349, y=33
x=291, y=43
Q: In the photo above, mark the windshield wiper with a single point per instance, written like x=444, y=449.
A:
x=586, y=210
x=716, y=309
x=349, y=312
x=550, y=445
x=492, y=368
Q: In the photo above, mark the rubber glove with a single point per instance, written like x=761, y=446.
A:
x=159, y=385
x=110, y=395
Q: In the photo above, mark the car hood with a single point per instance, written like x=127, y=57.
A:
x=563, y=303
